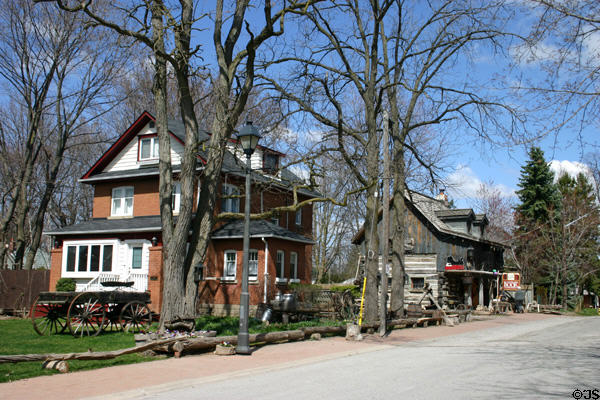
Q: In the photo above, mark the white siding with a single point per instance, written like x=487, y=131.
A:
x=256, y=161
x=128, y=157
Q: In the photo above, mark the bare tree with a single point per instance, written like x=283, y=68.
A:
x=499, y=210
x=167, y=32
x=395, y=55
x=563, y=45
x=41, y=53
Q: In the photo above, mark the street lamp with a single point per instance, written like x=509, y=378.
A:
x=248, y=137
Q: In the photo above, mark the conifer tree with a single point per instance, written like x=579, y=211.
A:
x=538, y=194
x=539, y=199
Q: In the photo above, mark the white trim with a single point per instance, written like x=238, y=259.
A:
x=123, y=201
x=153, y=158
x=176, y=197
x=89, y=243
x=294, y=267
x=225, y=277
x=280, y=267
x=255, y=277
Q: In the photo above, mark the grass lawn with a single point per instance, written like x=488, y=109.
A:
x=18, y=337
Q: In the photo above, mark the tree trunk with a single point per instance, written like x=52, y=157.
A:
x=398, y=234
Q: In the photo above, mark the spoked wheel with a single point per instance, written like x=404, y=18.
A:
x=135, y=317
x=48, y=318
x=111, y=322
x=86, y=315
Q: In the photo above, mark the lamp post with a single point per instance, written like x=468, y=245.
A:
x=248, y=137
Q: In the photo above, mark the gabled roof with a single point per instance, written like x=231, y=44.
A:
x=455, y=213
x=175, y=128
x=429, y=208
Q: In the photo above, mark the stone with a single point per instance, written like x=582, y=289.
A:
x=315, y=336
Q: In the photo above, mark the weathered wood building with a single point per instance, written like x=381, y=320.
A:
x=448, y=250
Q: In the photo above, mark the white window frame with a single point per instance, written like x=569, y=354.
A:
x=89, y=243
x=230, y=204
x=122, y=201
x=176, y=197
x=294, y=267
x=252, y=253
x=225, y=254
x=281, y=265
x=153, y=148
x=299, y=216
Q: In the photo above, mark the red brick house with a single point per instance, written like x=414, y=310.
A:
x=122, y=241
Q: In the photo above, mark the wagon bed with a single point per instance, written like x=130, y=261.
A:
x=89, y=313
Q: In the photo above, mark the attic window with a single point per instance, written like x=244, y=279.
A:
x=148, y=148
x=270, y=162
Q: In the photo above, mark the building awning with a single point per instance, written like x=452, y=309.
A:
x=467, y=272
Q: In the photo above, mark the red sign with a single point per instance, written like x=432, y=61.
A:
x=511, y=281
x=454, y=267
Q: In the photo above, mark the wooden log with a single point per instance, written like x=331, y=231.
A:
x=101, y=355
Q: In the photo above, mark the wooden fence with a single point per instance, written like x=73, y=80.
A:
x=19, y=288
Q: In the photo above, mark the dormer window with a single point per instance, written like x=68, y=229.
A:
x=270, y=162
x=122, y=202
x=148, y=148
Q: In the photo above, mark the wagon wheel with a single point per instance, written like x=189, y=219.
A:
x=86, y=315
x=135, y=317
x=111, y=322
x=48, y=319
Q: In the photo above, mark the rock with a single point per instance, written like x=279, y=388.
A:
x=315, y=336
x=352, y=331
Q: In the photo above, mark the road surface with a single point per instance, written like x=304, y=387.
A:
x=550, y=358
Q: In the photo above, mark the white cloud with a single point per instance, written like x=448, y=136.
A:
x=569, y=167
x=463, y=183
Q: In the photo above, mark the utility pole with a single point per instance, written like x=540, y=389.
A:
x=386, y=227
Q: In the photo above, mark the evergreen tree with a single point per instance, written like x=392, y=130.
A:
x=538, y=194
x=539, y=200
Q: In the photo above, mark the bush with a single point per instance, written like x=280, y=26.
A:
x=354, y=289
x=65, y=285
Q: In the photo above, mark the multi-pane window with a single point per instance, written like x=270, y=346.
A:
x=136, y=257
x=149, y=148
x=229, y=203
x=122, y=201
x=230, y=264
x=253, y=264
x=417, y=283
x=299, y=216
x=176, y=196
x=280, y=266
x=89, y=258
x=293, y=266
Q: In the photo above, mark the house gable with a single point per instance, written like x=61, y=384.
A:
x=123, y=154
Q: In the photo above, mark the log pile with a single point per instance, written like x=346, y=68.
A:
x=178, y=345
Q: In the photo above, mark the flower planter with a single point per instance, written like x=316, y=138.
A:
x=221, y=350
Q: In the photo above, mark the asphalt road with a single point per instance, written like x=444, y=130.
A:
x=550, y=358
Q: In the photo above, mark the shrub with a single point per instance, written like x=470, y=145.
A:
x=65, y=285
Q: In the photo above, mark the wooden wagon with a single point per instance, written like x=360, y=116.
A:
x=89, y=313
x=316, y=303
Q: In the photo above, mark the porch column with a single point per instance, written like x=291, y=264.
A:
x=481, y=299
x=467, y=283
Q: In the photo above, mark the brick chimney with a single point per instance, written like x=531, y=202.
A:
x=442, y=197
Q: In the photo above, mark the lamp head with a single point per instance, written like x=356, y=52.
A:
x=248, y=137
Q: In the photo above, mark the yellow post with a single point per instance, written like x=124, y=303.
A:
x=362, y=301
